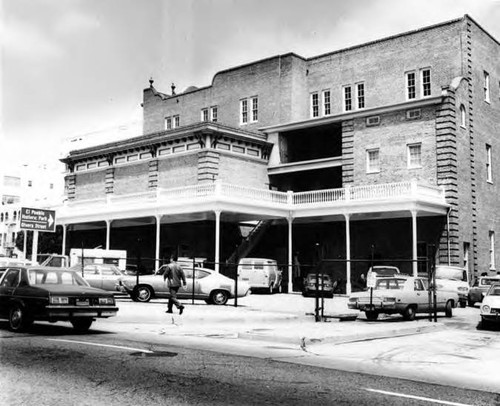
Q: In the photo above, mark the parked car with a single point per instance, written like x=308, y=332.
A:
x=260, y=274
x=490, y=308
x=477, y=292
x=208, y=285
x=453, y=279
x=28, y=294
x=318, y=282
x=102, y=276
x=406, y=295
x=379, y=271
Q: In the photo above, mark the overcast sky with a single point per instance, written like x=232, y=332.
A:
x=73, y=67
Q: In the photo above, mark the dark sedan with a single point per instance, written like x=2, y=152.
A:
x=51, y=294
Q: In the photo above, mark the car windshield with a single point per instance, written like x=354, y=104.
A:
x=494, y=291
x=456, y=274
x=55, y=277
x=488, y=281
x=312, y=278
x=385, y=271
x=393, y=283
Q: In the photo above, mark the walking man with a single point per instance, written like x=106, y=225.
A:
x=176, y=279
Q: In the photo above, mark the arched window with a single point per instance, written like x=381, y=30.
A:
x=1, y=217
x=462, y=116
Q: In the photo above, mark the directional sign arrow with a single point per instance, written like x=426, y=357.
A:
x=51, y=220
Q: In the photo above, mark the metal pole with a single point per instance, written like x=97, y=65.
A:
x=194, y=275
x=83, y=261
x=236, y=284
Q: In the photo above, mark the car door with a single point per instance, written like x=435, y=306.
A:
x=8, y=286
x=92, y=275
x=421, y=296
x=186, y=291
x=109, y=278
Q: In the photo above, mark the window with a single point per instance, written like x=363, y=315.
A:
x=360, y=95
x=168, y=123
x=213, y=113
x=327, y=107
x=372, y=160
x=492, y=249
x=489, y=176
x=486, y=87
x=204, y=114
x=30, y=183
x=255, y=109
x=415, y=155
x=314, y=105
x=244, y=111
x=177, y=121
x=413, y=114
x=426, y=82
x=466, y=254
x=347, y=98
x=462, y=116
x=411, y=90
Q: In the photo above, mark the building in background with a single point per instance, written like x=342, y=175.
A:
x=382, y=152
x=29, y=185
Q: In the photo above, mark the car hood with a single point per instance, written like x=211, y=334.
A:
x=492, y=301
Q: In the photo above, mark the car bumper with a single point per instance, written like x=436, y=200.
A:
x=70, y=312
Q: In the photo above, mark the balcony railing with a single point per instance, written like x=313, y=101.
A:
x=285, y=200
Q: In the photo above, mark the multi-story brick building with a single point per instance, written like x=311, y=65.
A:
x=376, y=151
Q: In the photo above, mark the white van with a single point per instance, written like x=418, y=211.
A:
x=260, y=273
x=453, y=279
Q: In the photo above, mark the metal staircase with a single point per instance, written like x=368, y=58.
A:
x=250, y=241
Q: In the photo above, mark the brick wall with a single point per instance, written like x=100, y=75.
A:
x=131, y=178
x=89, y=185
x=243, y=171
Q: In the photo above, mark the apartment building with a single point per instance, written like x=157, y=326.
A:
x=383, y=151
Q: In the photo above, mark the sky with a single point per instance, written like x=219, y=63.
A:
x=75, y=67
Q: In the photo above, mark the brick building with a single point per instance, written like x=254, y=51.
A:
x=374, y=152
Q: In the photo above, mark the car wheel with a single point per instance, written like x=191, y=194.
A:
x=219, y=297
x=371, y=315
x=18, y=319
x=448, y=311
x=271, y=289
x=143, y=293
x=82, y=324
x=409, y=313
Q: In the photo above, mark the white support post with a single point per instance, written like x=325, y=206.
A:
x=348, y=285
x=290, y=254
x=64, y=226
x=34, y=247
x=217, y=240
x=108, y=234
x=157, y=246
x=414, y=241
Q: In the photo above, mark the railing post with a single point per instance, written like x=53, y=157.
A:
x=218, y=187
x=347, y=192
x=289, y=197
x=413, y=187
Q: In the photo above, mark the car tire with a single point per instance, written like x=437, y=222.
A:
x=143, y=293
x=448, y=310
x=409, y=313
x=271, y=288
x=19, y=320
x=219, y=297
x=371, y=315
x=82, y=325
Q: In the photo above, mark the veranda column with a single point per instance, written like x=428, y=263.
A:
x=414, y=241
x=348, y=253
x=34, y=246
x=64, y=226
x=217, y=240
x=108, y=233
x=290, y=254
x=157, y=247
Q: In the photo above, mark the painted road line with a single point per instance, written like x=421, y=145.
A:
x=442, y=402
x=100, y=345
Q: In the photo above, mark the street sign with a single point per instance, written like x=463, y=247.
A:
x=38, y=219
x=370, y=281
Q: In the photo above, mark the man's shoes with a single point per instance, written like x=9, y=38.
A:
x=181, y=309
x=169, y=311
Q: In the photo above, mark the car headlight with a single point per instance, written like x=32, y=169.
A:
x=485, y=309
x=106, y=301
x=353, y=299
x=462, y=289
x=60, y=300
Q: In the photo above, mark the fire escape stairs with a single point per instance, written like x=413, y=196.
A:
x=250, y=241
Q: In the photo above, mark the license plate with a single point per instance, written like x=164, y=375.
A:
x=82, y=302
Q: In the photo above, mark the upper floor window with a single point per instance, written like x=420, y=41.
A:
x=204, y=114
x=213, y=114
x=415, y=155
x=486, y=87
x=168, y=123
x=462, y=116
x=249, y=110
x=255, y=109
x=426, y=82
x=314, y=105
x=360, y=95
x=489, y=175
x=177, y=121
x=327, y=104
x=30, y=183
x=347, y=98
x=244, y=111
x=411, y=86
x=372, y=160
